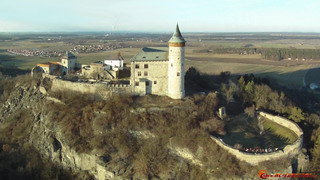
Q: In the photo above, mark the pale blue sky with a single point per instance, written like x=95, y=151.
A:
x=161, y=15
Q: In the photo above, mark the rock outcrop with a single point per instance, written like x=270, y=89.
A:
x=45, y=136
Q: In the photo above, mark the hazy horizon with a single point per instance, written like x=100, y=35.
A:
x=156, y=32
x=142, y=16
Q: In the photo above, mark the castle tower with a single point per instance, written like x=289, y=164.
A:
x=69, y=62
x=176, y=66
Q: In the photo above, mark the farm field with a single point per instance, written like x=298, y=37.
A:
x=285, y=72
x=30, y=44
x=291, y=76
x=27, y=62
x=126, y=53
x=236, y=64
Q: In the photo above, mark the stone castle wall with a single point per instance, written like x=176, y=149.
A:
x=254, y=159
x=157, y=77
x=104, y=90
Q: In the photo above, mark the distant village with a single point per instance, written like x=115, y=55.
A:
x=77, y=50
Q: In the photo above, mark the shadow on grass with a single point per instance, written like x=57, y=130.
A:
x=243, y=130
x=12, y=71
x=5, y=57
x=312, y=76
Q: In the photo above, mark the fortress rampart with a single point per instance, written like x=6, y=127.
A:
x=104, y=90
x=288, y=151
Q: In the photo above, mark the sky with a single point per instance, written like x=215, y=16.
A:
x=160, y=15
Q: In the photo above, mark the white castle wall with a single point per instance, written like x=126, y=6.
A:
x=176, y=65
x=254, y=159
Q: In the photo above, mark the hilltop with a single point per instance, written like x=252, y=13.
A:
x=128, y=136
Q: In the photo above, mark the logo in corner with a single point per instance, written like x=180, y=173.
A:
x=262, y=174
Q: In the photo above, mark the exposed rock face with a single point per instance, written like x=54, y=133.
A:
x=50, y=143
x=46, y=137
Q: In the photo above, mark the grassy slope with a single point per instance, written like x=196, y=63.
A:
x=280, y=130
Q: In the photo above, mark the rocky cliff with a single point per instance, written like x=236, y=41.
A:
x=44, y=134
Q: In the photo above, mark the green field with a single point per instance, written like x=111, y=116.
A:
x=31, y=44
x=244, y=130
x=280, y=130
x=23, y=62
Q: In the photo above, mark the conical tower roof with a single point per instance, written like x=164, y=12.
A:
x=177, y=37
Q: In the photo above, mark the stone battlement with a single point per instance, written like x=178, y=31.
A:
x=118, y=85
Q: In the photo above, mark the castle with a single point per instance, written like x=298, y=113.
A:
x=158, y=71
x=67, y=65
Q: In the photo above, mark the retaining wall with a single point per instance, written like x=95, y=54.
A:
x=254, y=159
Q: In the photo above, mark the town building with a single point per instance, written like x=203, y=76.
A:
x=114, y=63
x=52, y=68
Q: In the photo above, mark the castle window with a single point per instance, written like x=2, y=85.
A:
x=147, y=83
x=178, y=74
x=154, y=82
x=157, y=57
x=145, y=73
x=171, y=65
x=143, y=57
x=137, y=83
x=139, y=73
x=137, y=66
x=146, y=66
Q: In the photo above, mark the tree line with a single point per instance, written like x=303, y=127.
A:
x=268, y=53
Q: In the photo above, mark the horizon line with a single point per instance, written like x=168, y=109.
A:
x=162, y=32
